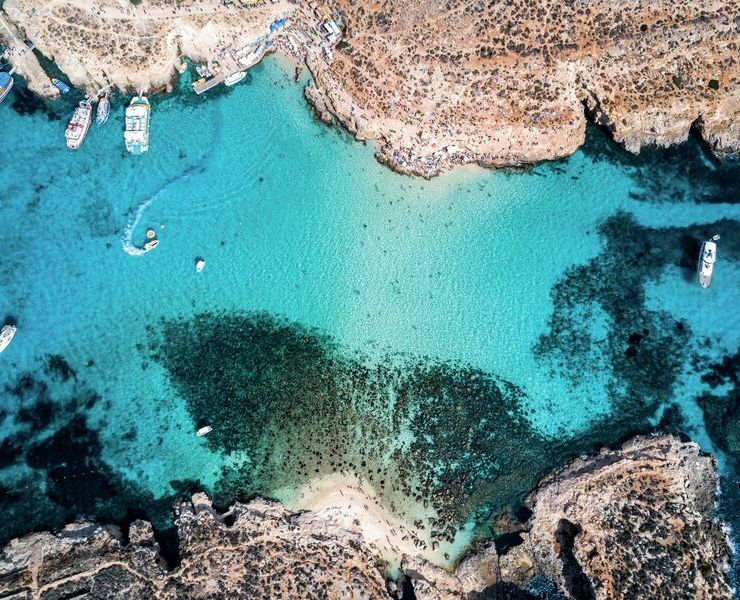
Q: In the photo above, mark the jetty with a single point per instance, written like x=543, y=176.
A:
x=21, y=56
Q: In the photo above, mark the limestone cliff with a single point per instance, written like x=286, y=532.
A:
x=629, y=523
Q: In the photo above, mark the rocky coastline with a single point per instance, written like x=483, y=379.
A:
x=627, y=523
x=433, y=85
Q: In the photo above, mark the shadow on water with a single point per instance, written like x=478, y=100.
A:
x=687, y=172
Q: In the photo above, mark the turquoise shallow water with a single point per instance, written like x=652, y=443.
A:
x=370, y=297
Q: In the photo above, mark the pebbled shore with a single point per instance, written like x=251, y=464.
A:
x=440, y=84
x=626, y=523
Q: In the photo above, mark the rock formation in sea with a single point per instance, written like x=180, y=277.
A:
x=438, y=84
x=629, y=523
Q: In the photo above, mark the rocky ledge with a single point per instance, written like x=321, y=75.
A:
x=629, y=523
x=506, y=82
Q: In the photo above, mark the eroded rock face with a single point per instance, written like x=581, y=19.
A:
x=502, y=83
x=627, y=523
x=256, y=550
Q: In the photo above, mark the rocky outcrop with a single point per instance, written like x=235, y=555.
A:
x=502, y=83
x=629, y=523
x=255, y=550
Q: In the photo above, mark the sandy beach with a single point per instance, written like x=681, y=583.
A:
x=353, y=505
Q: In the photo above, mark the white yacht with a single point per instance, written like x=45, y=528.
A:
x=707, y=258
x=235, y=78
x=136, y=135
x=6, y=335
x=79, y=124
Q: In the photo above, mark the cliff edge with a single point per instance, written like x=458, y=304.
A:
x=629, y=523
x=434, y=83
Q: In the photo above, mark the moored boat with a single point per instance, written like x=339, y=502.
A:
x=235, y=78
x=103, y=111
x=204, y=431
x=6, y=335
x=707, y=258
x=60, y=85
x=79, y=124
x=136, y=135
x=6, y=83
x=200, y=264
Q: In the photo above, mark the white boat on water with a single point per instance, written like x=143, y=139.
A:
x=204, y=431
x=200, y=264
x=101, y=116
x=136, y=135
x=235, y=78
x=707, y=258
x=79, y=124
x=6, y=335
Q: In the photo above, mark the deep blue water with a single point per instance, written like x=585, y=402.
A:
x=447, y=340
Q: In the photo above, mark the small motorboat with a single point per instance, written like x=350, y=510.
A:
x=60, y=85
x=151, y=245
x=200, y=264
x=707, y=258
x=204, y=431
x=235, y=78
x=103, y=111
x=6, y=335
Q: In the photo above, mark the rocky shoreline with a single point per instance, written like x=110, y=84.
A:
x=635, y=522
x=433, y=85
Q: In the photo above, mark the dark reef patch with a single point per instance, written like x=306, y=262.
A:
x=51, y=466
x=441, y=433
x=722, y=410
x=644, y=350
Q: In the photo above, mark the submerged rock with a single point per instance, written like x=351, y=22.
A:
x=634, y=522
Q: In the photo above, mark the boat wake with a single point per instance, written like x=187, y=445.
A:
x=135, y=217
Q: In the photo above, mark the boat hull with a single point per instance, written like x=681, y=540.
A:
x=6, y=84
x=705, y=266
x=235, y=78
x=6, y=336
x=101, y=116
x=79, y=125
x=136, y=135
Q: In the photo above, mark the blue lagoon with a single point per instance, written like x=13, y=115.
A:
x=446, y=341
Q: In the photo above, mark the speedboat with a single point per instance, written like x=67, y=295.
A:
x=707, y=258
x=235, y=78
x=101, y=115
x=60, y=85
x=6, y=335
x=79, y=124
x=200, y=264
x=204, y=431
x=151, y=245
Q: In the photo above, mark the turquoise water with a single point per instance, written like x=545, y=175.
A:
x=471, y=331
